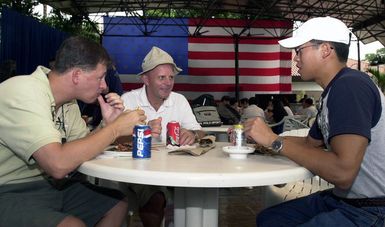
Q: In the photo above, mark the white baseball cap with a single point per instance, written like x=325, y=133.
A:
x=156, y=57
x=319, y=28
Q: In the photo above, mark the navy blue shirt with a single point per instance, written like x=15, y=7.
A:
x=350, y=104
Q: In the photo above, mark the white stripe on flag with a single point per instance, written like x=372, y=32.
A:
x=231, y=64
x=257, y=48
x=129, y=78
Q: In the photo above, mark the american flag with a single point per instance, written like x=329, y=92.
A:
x=207, y=60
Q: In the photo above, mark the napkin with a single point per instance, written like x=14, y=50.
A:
x=205, y=144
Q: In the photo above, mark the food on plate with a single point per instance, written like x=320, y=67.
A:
x=122, y=147
x=207, y=141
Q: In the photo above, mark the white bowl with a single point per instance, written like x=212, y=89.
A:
x=238, y=152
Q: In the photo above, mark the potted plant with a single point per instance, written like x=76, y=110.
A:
x=378, y=78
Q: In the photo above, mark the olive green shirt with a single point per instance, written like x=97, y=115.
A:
x=28, y=121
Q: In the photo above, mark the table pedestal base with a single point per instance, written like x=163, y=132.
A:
x=196, y=207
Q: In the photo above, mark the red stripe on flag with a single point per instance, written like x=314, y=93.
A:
x=230, y=40
x=241, y=55
x=242, y=71
x=242, y=23
x=131, y=86
x=231, y=87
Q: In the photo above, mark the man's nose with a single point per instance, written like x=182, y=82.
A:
x=169, y=81
x=103, y=84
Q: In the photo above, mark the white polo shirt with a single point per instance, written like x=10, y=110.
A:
x=174, y=108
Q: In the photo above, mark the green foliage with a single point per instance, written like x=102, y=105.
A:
x=376, y=59
x=73, y=25
x=24, y=7
x=190, y=13
x=379, y=78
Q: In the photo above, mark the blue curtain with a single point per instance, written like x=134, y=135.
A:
x=27, y=41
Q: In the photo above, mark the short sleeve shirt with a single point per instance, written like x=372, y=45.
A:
x=174, y=108
x=352, y=104
x=28, y=121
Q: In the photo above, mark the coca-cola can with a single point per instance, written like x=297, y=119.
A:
x=173, y=128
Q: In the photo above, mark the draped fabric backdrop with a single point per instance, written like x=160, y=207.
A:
x=27, y=41
x=208, y=61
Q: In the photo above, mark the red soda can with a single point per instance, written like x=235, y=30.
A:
x=173, y=128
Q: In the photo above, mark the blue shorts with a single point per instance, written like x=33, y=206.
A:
x=40, y=204
x=320, y=209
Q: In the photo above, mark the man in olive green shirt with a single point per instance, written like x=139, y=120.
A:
x=43, y=139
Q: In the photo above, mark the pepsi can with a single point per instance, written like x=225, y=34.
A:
x=141, y=142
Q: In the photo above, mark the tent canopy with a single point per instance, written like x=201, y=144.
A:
x=366, y=18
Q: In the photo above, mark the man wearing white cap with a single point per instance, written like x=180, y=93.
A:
x=345, y=145
x=161, y=106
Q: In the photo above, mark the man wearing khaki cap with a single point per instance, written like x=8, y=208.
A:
x=345, y=145
x=161, y=106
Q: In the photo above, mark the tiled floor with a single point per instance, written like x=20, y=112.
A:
x=237, y=207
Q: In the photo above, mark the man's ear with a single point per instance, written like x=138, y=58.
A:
x=76, y=75
x=326, y=49
x=145, y=79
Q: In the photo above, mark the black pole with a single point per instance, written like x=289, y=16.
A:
x=359, y=58
x=236, y=58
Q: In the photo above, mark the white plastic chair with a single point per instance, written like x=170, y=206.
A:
x=290, y=123
x=280, y=193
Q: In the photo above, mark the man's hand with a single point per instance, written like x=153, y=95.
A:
x=111, y=108
x=256, y=129
x=125, y=123
x=186, y=137
x=156, y=127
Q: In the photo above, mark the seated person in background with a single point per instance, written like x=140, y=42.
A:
x=309, y=109
x=234, y=108
x=43, y=139
x=243, y=104
x=286, y=105
x=252, y=110
x=274, y=114
x=227, y=115
x=161, y=106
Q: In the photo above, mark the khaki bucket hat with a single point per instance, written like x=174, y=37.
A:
x=157, y=57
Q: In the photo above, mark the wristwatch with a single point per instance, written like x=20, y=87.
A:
x=277, y=145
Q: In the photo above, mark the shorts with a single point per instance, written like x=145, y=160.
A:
x=140, y=194
x=40, y=204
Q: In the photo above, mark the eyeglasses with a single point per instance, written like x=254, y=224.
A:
x=60, y=122
x=299, y=49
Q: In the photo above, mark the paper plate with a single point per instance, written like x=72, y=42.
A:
x=115, y=154
x=238, y=152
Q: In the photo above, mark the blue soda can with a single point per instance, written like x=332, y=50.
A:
x=141, y=142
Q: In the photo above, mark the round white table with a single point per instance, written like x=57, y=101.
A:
x=197, y=178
